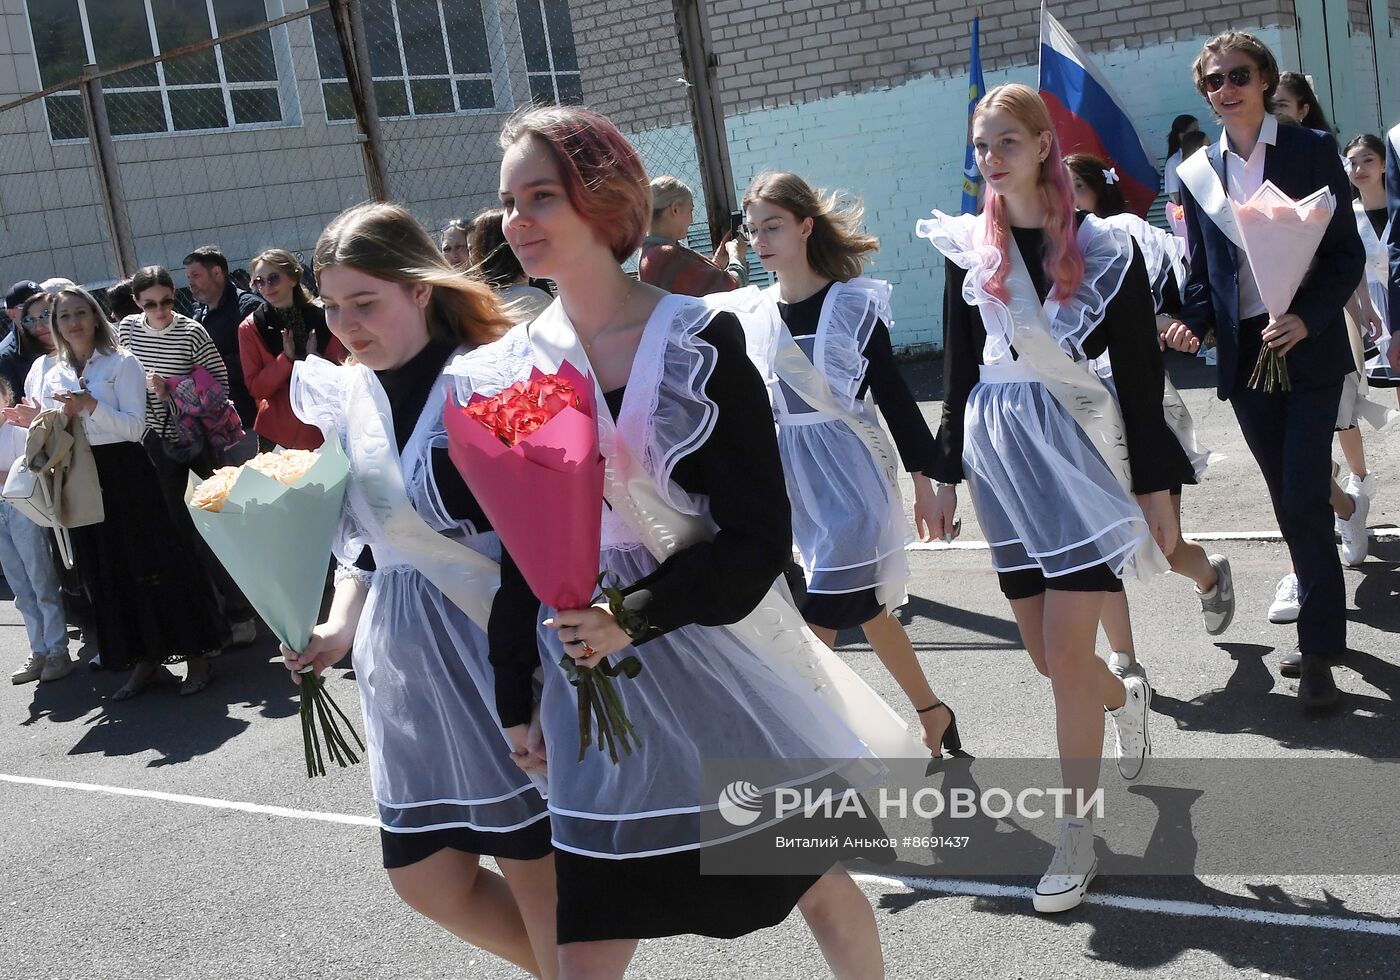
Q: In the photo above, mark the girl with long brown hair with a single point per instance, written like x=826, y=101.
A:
x=1070, y=485
x=417, y=570
x=847, y=517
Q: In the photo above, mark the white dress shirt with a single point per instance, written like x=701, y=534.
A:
x=1171, y=183
x=1242, y=178
x=116, y=380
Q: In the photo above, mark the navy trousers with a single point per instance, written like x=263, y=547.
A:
x=1290, y=435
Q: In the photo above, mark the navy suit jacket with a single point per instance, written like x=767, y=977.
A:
x=1392, y=243
x=1299, y=162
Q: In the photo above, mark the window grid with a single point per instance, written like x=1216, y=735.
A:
x=452, y=77
x=552, y=74
x=164, y=88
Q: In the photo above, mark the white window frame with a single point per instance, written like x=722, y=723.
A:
x=552, y=72
x=499, y=76
x=286, y=88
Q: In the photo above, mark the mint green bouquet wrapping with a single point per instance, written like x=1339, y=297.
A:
x=275, y=541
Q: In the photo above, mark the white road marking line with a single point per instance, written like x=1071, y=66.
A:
x=205, y=801
x=942, y=886
x=1163, y=906
x=1377, y=534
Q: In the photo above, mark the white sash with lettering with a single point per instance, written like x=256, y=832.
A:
x=1200, y=177
x=378, y=498
x=775, y=630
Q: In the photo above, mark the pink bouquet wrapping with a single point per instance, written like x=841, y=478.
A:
x=530, y=456
x=1281, y=237
x=1176, y=219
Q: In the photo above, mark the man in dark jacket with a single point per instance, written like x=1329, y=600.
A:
x=220, y=307
x=1288, y=431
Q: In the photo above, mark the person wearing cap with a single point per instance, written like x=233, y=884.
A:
x=23, y=345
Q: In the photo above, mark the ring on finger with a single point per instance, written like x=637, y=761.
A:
x=588, y=651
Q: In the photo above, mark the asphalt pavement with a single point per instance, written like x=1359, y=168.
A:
x=170, y=837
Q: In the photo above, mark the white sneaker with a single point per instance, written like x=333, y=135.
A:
x=1134, y=746
x=1356, y=542
x=57, y=665
x=1286, y=602
x=1074, y=865
x=31, y=671
x=1124, y=665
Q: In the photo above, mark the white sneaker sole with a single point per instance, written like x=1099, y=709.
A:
x=1065, y=900
x=1283, y=617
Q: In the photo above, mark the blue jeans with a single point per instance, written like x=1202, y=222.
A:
x=24, y=557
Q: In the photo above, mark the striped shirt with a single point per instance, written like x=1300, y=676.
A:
x=172, y=352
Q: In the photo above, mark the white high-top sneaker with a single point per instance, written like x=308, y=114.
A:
x=1134, y=746
x=1074, y=865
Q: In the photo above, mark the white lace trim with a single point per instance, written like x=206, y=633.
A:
x=1107, y=251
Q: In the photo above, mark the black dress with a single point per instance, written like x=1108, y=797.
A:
x=151, y=601
x=714, y=583
x=408, y=388
x=912, y=438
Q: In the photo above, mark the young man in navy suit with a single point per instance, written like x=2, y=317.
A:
x=1289, y=432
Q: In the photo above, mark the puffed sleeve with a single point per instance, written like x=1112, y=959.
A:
x=722, y=580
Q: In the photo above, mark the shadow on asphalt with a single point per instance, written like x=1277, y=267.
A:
x=1127, y=936
x=177, y=728
x=1256, y=701
x=1138, y=940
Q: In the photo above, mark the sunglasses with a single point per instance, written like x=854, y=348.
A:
x=163, y=304
x=37, y=318
x=271, y=279
x=1238, y=77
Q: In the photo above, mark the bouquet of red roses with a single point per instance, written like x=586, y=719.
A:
x=530, y=456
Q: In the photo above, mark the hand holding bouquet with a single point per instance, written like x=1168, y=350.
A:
x=530, y=456
x=270, y=523
x=1281, y=237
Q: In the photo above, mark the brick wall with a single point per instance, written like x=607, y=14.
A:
x=629, y=57
x=778, y=51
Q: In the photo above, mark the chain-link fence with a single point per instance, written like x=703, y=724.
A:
x=237, y=122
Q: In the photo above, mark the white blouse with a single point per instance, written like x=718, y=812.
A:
x=116, y=380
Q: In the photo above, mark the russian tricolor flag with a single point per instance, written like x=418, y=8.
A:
x=1089, y=117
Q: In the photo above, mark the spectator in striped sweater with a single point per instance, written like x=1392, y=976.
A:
x=169, y=344
x=669, y=264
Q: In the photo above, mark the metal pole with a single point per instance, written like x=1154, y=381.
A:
x=707, y=114
x=104, y=161
x=350, y=32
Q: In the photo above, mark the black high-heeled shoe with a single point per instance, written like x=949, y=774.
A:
x=951, y=742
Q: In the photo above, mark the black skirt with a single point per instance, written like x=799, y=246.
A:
x=525, y=844
x=666, y=896
x=840, y=610
x=149, y=598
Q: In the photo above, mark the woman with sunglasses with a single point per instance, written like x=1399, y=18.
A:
x=169, y=344
x=288, y=327
x=1288, y=431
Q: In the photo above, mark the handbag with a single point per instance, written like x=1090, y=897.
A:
x=29, y=496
